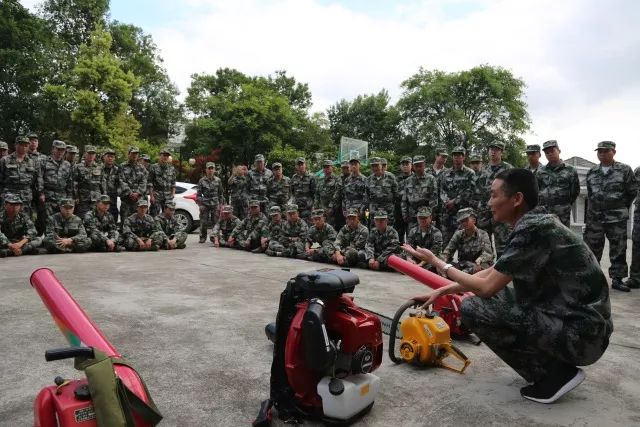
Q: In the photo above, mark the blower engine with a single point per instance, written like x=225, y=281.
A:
x=113, y=394
x=325, y=348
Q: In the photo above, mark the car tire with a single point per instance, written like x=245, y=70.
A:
x=185, y=220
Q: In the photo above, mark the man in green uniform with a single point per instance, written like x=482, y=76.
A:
x=19, y=175
x=133, y=184
x=224, y=227
x=247, y=234
x=161, y=182
x=402, y=177
x=382, y=243
x=354, y=190
x=238, y=185
x=294, y=234
x=57, y=179
x=382, y=190
x=258, y=182
x=89, y=181
x=533, y=156
x=140, y=232
x=173, y=238
x=18, y=235
x=101, y=227
x=425, y=235
x=420, y=189
x=472, y=244
x=320, y=238
x=209, y=198
x=303, y=189
x=272, y=235
x=111, y=173
x=351, y=242
x=65, y=231
x=326, y=190
x=279, y=187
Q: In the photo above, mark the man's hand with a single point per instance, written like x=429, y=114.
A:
x=152, y=198
x=111, y=245
x=264, y=241
x=231, y=241
x=15, y=249
x=247, y=244
x=339, y=258
x=216, y=242
x=42, y=198
x=310, y=251
x=141, y=244
x=172, y=244
x=373, y=264
x=64, y=242
x=431, y=298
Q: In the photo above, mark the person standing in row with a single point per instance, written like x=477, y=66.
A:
x=405, y=173
x=326, y=190
x=382, y=190
x=89, y=182
x=133, y=184
x=259, y=177
x=161, y=182
x=238, y=186
x=303, y=189
x=279, y=187
x=19, y=175
x=209, y=199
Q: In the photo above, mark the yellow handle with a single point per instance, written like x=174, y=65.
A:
x=450, y=349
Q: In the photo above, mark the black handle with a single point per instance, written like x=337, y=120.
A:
x=67, y=353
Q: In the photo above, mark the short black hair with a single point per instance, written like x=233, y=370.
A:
x=523, y=181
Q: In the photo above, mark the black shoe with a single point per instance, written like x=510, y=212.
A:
x=554, y=386
x=258, y=250
x=619, y=286
x=202, y=239
x=632, y=284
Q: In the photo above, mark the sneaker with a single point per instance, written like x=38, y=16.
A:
x=619, y=286
x=202, y=239
x=554, y=386
x=258, y=250
x=632, y=284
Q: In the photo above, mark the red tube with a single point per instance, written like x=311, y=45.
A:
x=414, y=271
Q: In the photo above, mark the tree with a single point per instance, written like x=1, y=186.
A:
x=73, y=21
x=469, y=108
x=368, y=117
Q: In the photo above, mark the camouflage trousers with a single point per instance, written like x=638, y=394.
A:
x=101, y=245
x=323, y=253
x=240, y=207
x=353, y=257
x=294, y=250
x=616, y=233
x=401, y=227
x=500, y=232
x=131, y=243
x=449, y=225
x=274, y=248
x=41, y=216
x=181, y=238
x=78, y=246
x=634, y=271
x=529, y=340
x=28, y=249
x=208, y=218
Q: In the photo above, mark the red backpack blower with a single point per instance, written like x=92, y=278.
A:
x=325, y=348
x=112, y=395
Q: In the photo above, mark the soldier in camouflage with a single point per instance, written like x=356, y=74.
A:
x=533, y=156
x=272, y=235
x=402, y=177
x=101, y=227
x=634, y=272
x=382, y=190
x=173, y=237
x=38, y=204
x=279, y=187
x=337, y=201
x=161, y=182
x=247, y=234
x=438, y=165
x=209, y=198
x=18, y=235
x=224, y=227
x=420, y=189
x=611, y=188
x=320, y=238
x=140, y=232
x=258, y=182
x=133, y=184
x=354, y=190
x=57, y=179
x=558, y=183
x=475, y=163
x=4, y=149
x=457, y=187
x=294, y=234
x=238, y=185
x=303, y=189
x=486, y=222
x=326, y=190
x=381, y=243
x=425, y=235
x=89, y=182
x=351, y=242
x=19, y=175
x=112, y=180
x=472, y=244
x=71, y=154
x=65, y=231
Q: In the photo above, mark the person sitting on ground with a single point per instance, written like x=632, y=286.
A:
x=272, y=235
x=65, y=231
x=224, y=227
x=351, y=241
x=101, y=227
x=247, y=234
x=319, y=246
x=557, y=315
x=383, y=242
x=140, y=232
x=18, y=235
x=472, y=244
x=294, y=233
x=425, y=235
x=167, y=222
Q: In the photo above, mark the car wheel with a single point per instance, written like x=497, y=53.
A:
x=185, y=221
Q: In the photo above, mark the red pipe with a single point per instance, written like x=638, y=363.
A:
x=432, y=280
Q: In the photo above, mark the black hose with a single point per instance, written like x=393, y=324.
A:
x=394, y=327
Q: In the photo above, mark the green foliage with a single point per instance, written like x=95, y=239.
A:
x=73, y=21
x=286, y=155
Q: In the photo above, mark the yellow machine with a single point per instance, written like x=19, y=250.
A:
x=426, y=340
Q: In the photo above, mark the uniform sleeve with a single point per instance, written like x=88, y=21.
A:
x=126, y=228
x=362, y=237
x=82, y=233
x=339, y=242
x=123, y=188
x=3, y=240
x=404, y=200
x=467, y=194
x=452, y=247
x=521, y=253
x=220, y=192
x=486, y=257
x=631, y=187
x=76, y=176
x=392, y=246
x=575, y=186
x=331, y=234
x=312, y=187
x=369, y=248
x=50, y=231
x=317, y=203
x=438, y=242
x=199, y=194
x=394, y=190
x=92, y=229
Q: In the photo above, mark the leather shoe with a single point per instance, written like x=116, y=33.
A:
x=619, y=286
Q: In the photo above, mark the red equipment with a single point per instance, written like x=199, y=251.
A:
x=447, y=306
x=68, y=403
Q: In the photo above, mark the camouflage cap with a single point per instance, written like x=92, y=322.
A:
x=353, y=212
x=13, y=199
x=254, y=203
x=418, y=159
x=292, y=208
x=381, y=214
x=344, y=164
x=383, y=161
x=406, y=159
x=143, y=202
x=274, y=210
x=550, y=144
x=90, y=149
x=465, y=213
x=59, y=144
x=354, y=159
x=227, y=209
x=165, y=150
x=109, y=151
x=423, y=212
x=441, y=150
x=67, y=203
x=133, y=149
x=259, y=158
x=171, y=204
x=276, y=165
x=533, y=148
x=72, y=149
x=459, y=150
x=22, y=140
x=104, y=198
x=497, y=144
x=327, y=162
x=211, y=165
x=606, y=145
x=300, y=160
x=4, y=145
x=316, y=213
x=32, y=135
x=375, y=161
x=475, y=157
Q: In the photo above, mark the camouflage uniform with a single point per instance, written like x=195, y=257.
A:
x=101, y=228
x=133, y=179
x=399, y=224
x=418, y=191
x=381, y=245
x=249, y=229
x=209, y=198
x=382, y=192
x=294, y=235
x=634, y=271
x=58, y=227
x=351, y=244
x=279, y=191
x=40, y=208
x=223, y=229
x=458, y=186
x=499, y=230
x=558, y=311
x=609, y=196
x=89, y=183
x=144, y=228
x=337, y=200
x=325, y=238
x=430, y=238
x=162, y=182
x=354, y=195
x=257, y=186
x=238, y=195
x=472, y=249
x=57, y=183
x=303, y=190
x=112, y=184
x=326, y=191
x=171, y=230
x=559, y=187
x=20, y=227
x=19, y=178
x=274, y=232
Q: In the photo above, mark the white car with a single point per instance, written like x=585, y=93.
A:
x=187, y=210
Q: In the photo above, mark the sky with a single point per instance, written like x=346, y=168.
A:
x=580, y=59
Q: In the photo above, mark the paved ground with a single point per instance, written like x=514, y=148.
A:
x=192, y=322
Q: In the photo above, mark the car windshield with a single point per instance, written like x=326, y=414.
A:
x=180, y=189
